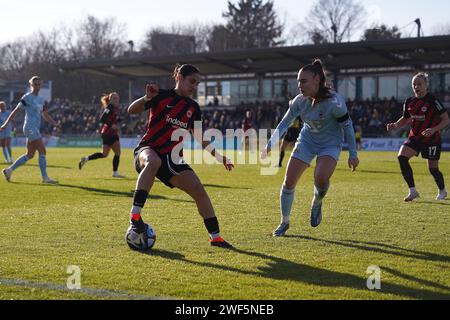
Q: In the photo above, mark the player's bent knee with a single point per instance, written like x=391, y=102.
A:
x=402, y=159
x=433, y=170
x=289, y=184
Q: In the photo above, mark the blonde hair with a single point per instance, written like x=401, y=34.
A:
x=34, y=78
x=422, y=75
x=106, y=98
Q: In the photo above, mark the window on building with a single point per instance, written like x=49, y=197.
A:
x=369, y=89
x=387, y=87
x=404, y=86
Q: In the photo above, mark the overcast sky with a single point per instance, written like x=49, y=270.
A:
x=20, y=19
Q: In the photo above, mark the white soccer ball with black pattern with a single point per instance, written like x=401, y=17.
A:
x=141, y=241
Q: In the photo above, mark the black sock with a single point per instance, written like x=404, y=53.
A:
x=281, y=158
x=95, y=156
x=139, y=198
x=406, y=171
x=116, y=161
x=438, y=177
x=212, y=225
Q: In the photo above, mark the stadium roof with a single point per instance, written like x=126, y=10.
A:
x=408, y=52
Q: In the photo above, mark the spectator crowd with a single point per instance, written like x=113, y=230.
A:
x=83, y=119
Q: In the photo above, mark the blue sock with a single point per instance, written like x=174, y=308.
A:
x=319, y=194
x=43, y=165
x=10, y=152
x=286, y=200
x=5, y=153
x=19, y=162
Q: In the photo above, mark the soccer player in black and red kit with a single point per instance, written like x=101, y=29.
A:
x=427, y=117
x=110, y=132
x=170, y=110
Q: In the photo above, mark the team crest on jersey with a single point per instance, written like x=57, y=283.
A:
x=424, y=109
x=189, y=113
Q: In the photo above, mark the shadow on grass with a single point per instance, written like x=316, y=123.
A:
x=282, y=269
x=380, y=248
x=107, y=192
x=445, y=202
x=223, y=187
x=48, y=166
x=397, y=172
x=369, y=171
x=103, y=192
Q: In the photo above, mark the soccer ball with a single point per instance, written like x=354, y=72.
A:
x=141, y=241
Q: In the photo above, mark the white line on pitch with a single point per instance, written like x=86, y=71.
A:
x=89, y=291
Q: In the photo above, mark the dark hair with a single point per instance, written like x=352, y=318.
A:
x=185, y=70
x=316, y=68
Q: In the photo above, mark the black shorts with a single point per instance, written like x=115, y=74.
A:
x=428, y=151
x=291, y=135
x=168, y=168
x=109, y=140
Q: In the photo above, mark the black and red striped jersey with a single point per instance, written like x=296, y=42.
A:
x=247, y=124
x=168, y=112
x=425, y=113
x=109, y=117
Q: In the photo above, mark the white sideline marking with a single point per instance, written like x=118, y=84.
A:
x=89, y=291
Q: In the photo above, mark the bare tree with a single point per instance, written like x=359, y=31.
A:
x=13, y=57
x=334, y=20
x=94, y=38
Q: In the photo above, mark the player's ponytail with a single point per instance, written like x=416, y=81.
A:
x=316, y=68
x=105, y=100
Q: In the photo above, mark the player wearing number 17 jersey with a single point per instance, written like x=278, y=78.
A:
x=427, y=117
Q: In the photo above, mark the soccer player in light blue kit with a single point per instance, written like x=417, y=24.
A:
x=326, y=122
x=34, y=106
x=5, y=135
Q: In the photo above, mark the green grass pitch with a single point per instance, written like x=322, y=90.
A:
x=44, y=229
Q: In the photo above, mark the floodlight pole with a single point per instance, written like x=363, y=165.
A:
x=419, y=27
x=334, y=28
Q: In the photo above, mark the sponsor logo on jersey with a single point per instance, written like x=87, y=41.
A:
x=176, y=122
x=418, y=118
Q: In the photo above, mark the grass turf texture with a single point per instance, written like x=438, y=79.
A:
x=82, y=222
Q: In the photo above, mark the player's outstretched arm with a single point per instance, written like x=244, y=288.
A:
x=49, y=118
x=10, y=117
x=399, y=124
x=206, y=145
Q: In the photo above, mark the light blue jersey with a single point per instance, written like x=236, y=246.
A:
x=33, y=106
x=324, y=127
x=7, y=132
